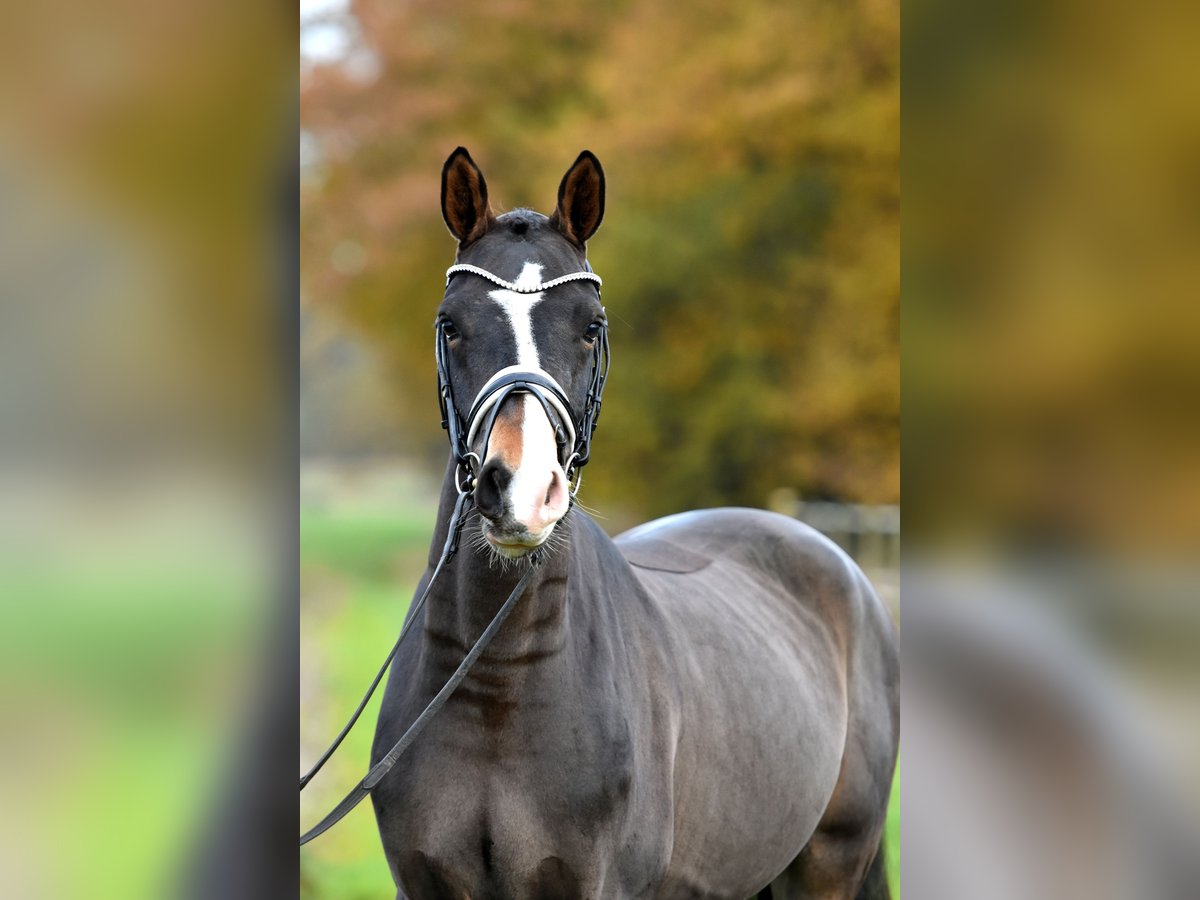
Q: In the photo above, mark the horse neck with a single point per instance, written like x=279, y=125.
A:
x=473, y=587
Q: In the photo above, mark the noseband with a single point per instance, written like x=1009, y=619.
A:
x=572, y=432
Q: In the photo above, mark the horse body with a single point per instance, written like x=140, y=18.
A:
x=764, y=643
x=701, y=708
x=547, y=775
x=638, y=732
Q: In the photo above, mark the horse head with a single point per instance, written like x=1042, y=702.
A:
x=522, y=331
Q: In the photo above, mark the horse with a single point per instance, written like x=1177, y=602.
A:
x=704, y=707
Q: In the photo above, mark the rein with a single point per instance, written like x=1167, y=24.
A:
x=384, y=766
x=573, y=436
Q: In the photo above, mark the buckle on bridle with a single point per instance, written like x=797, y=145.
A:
x=573, y=472
x=466, y=485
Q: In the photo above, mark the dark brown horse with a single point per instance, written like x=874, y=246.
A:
x=704, y=707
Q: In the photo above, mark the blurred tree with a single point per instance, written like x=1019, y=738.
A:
x=751, y=246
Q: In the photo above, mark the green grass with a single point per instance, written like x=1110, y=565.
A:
x=361, y=548
x=123, y=660
x=891, y=838
x=358, y=574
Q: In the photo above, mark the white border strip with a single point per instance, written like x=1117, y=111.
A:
x=510, y=286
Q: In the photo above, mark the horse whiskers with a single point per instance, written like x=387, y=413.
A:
x=477, y=541
x=588, y=509
x=480, y=544
x=560, y=537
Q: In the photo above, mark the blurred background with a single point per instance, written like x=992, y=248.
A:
x=150, y=338
x=147, y=252
x=750, y=254
x=750, y=250
x=1051, y=447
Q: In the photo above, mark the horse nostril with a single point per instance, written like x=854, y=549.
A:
x=557, y=496
x=494, y=479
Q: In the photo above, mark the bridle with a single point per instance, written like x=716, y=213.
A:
x=573, y=436
x=572, y=433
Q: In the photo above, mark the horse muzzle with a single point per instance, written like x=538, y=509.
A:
x=521, y=490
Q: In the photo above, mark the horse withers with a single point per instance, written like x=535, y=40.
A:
x=705, y=706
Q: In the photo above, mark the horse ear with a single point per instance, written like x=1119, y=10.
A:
x=465, y=198
x=580, y=199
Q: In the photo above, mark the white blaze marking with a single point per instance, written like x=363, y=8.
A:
x=539, y=453
x=518, y=308
x=539, y=457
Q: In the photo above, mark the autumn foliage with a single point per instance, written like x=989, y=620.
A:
x=750, y=248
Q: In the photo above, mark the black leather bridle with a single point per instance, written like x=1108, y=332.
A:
x=573, y=434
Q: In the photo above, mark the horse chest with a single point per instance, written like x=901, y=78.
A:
x=538, y=808
x=502, y=843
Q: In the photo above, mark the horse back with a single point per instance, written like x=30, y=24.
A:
x=787, y=657
x=754, y=578
x=777, y=565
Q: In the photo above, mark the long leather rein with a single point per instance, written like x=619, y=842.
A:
x=573, y=434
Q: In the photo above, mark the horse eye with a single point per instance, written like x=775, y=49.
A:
x=449, y=330
x=593, y=332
